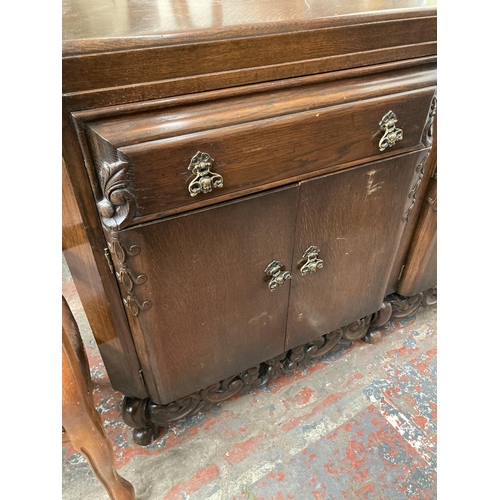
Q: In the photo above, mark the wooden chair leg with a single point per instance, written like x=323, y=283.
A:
x=80, y=419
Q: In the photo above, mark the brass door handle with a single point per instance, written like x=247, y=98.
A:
x=204, y=179
x=391, y=133
x=278, y=276
x=312, y=262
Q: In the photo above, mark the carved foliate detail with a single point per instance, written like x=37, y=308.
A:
x=433, y=200
x=126, y=277
x=428, y=134
x=413, y=193
x=430, y=297
x=118, y=206
x=405, y=306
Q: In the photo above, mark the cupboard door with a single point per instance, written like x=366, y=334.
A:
x=211, y=313
x=355, y=219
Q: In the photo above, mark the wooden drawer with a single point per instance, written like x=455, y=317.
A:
x=256, y=141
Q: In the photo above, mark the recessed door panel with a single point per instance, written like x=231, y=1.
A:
x=354, y=219
x=207, y=310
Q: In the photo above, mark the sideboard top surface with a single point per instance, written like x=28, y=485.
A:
x=95, y=25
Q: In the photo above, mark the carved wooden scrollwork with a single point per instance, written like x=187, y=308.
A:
x=433, y=199
x=428, y=133
x=145, y=416
x=430, y=297
x=126, y=277
x=118, y=206
x=413, y=193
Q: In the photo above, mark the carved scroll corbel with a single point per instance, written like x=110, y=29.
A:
x=118, y=205
x=413, y=193
x=125, y=276
x=428, y=134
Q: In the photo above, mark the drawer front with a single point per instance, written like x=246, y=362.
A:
x=269, y=151
x=168, y=161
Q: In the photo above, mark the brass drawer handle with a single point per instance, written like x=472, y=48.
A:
x=391, y=133
x=312, y=263
x=278, y=277
x=204, y=180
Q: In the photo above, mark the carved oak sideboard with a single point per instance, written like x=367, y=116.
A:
x=246, y=187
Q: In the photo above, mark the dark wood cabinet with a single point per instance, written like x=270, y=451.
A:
x=241, y=199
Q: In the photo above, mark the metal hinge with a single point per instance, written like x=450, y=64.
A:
x=141, y=375
x=107, y=254
x=401, y=272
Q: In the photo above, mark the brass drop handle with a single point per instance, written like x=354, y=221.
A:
x=391, y=133
x=312, y=262
x=278, y=276
x=204, y=179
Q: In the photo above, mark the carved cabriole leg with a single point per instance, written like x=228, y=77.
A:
x=145, y=416
x=81, y=421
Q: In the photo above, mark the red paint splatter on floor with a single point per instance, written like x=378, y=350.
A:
x=210, y=422
x=357, y=459
x=303, y=396
x=421, y=421
x=366, y=489
x=401, y=351
x=357, y=376
x=329, y=400
x=410, y=400
x=422, y=364
x=318, y=495
x=434, y=411
x=124, y=455
x=201, y=478
x=279, y=476
x=242, y=450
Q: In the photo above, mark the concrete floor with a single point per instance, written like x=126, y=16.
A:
x=357, y=424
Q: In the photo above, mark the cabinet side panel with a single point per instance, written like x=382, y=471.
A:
x=83, y=247
x=208, y=312
x=420, y=272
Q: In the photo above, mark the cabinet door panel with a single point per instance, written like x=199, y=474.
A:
x=212, y=314
x=355, y=218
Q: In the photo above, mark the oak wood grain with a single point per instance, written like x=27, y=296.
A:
x=212, y=312
x=256, y=140
x=355, y=218
x=93, y=26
